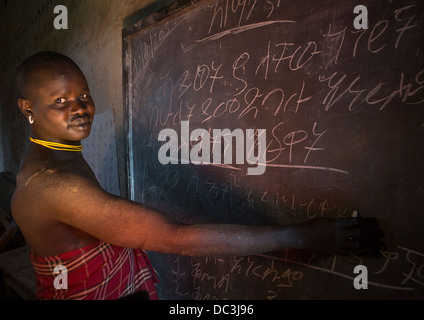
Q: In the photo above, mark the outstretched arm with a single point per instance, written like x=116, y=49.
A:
x=326, y=235
x=81, y=203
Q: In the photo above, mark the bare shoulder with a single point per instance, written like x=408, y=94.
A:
x=48, y=187
x=68, y=195
x=44, y=178
x=44, y=194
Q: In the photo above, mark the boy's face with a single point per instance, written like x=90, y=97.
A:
x=59, y=101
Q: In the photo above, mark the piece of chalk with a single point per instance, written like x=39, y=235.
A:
x=354, y=213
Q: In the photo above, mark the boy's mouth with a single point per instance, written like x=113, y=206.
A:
x=80, y=123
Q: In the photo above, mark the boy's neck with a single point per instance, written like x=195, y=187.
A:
x=53, y=155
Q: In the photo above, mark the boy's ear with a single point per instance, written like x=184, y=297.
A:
x=25, y=107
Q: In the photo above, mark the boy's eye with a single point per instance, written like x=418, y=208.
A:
x=84, y=96
x=60, y=100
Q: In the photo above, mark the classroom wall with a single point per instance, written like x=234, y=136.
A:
x=93, y=39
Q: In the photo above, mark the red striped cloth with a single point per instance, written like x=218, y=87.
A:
x=100, y=271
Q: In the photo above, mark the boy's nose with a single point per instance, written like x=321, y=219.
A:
x=78, y=106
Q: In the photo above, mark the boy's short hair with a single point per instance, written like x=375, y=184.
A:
x=37, y=61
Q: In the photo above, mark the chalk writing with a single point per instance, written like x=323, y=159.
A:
x=343, y=110
x=147, y=49
x=416, y=273
x=270, y=271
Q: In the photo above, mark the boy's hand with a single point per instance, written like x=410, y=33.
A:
x=370, y=239
x=342, y=236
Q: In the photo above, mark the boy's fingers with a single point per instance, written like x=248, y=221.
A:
x=352, y=233
x=345, y=251
x=348, y=222
x=361, y=234
x=350, y=244
x=369, y=223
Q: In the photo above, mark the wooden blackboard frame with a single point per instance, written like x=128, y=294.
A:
x=128, y=33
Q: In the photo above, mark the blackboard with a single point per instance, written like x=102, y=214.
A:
x=343, y=113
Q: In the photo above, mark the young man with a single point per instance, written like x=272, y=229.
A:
x=67, y=219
